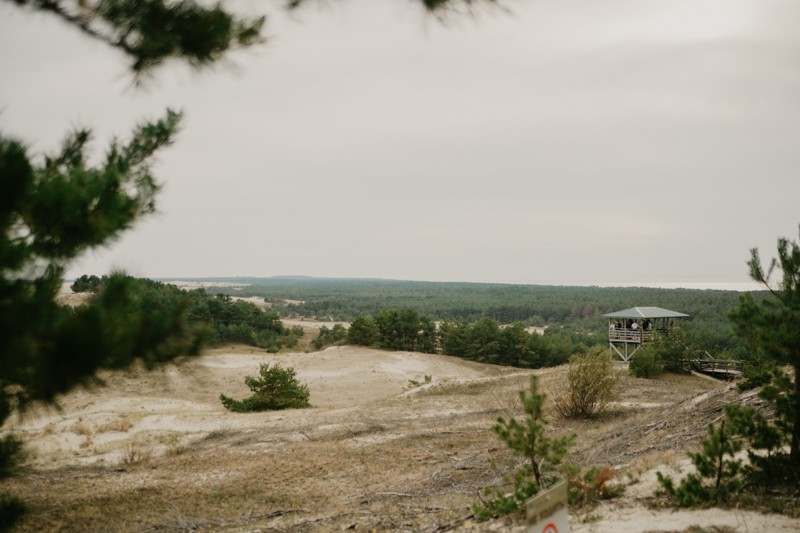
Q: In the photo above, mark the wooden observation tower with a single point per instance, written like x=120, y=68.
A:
x=628, y=330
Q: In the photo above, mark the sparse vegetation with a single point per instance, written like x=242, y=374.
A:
x=276, y=388
x=770, y=329
x=717, y=463
x=134, y=454
x=174, y=445
x=82, y=428
x=413, y=383
x=594, y=484
x=119, y=425
x=592, y=383
x=645, y=364
x=540, y=453
x=329, y=336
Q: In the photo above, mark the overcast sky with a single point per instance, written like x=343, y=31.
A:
x=569, y=142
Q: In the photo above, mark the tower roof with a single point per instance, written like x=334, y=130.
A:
x=646, y=312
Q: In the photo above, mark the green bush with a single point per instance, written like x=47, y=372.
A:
x=671, y=350
x=330, y=336
x=363, y=331
x=592, y=383
x=645, y=364
x=88, y=283
x=717, y=463
x=277, y=388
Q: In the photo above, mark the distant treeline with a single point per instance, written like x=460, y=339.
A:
x=217, y=318
x=484, y=340
x=531, y=305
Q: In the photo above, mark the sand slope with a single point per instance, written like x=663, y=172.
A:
x=156, y=451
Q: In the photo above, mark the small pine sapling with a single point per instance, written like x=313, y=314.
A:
x=717, y=462
x=526, y=439
x=277, y=388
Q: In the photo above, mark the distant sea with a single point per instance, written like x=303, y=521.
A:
x=741, y=286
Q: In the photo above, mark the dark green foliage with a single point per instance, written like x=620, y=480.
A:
x=398, y=329
x=645, y=364
x=51, y=213
x=276, y=388
x=672, y=349
x=88, y=283
x=11, y=510
x=67, y=206
x=770, y=329
x=51, y=352
x=558, y=345
x=438, y=7
x=237, y=321
x=152, y=31
x=363, y=331
x=716, y=479
x=330, y=336
x=428, y=336
x=453, y=335
x=768, y=462
x=10, y=448
x=717, y=461
x=484, y=340
x=666, y=352
x=757, y=372
x=526, y=439
x=217, y=319
x=515, y=346
x=536, y=305
x=572, y=313
x=393, y=329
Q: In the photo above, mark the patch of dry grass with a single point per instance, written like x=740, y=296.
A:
x=410, y=462
x=83, y=428
x=121, y=425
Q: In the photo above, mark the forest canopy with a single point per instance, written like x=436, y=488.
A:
x=580, y=308
x=216, y=319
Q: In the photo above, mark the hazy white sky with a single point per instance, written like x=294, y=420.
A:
x=570, y=142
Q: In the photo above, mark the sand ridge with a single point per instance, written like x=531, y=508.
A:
x=157, y=451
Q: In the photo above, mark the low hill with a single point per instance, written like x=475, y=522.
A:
x=156, y=451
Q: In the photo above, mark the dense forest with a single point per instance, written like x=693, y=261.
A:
x=579, y=309
x=477, y=321
x=216, y=318
x=484, y=340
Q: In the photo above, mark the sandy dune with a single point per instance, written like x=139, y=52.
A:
x=156, y=451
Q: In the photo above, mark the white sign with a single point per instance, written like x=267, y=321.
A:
x=548, y=511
